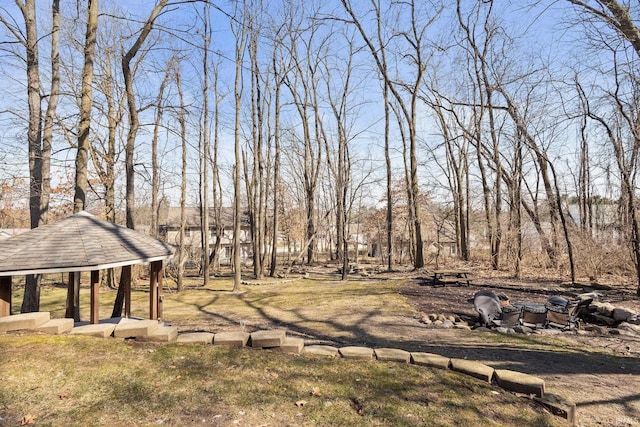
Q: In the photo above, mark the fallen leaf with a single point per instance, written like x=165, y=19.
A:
x=28, y=419
x=301, y=403
x=358, y=405
x=316, y=391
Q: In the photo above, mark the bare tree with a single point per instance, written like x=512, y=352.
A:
x=39, y=140
x=134, y=124
x=306, y=52
x=155, y=168
x=183, y=179
x=278, y=71
x=415, y=37
x=239, y=31
x=617, y=16
x=82, y=156
x=205, y=151
x=338, y=79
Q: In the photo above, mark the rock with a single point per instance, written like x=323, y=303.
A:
x=441, y=317
x=452, y=319
x=590, y=295
x=622, y=314
x=461, y=326
x=433, y=317
x=521, y=329
x=447, y=324
x=547, y=332
x=603, y=308
x=437, y=323
x=601, y=330
x=483, y=329
x=603, y=319
x=629, y=327
x=504, y=330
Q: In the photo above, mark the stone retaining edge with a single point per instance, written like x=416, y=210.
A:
x=512, y=381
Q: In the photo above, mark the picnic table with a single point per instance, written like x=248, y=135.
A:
x=444, y=277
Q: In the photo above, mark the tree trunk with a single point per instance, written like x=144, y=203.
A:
x=131, y=134
x=237, y=174
x=86, y=102
x=183, y=182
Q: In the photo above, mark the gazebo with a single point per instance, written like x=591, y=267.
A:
x=83, y=242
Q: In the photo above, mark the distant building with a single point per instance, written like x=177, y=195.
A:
x=170, y=232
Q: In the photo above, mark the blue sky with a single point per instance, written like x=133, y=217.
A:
x=541, y=33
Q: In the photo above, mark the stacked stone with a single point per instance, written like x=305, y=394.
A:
x=615, y=318
x=443, y=321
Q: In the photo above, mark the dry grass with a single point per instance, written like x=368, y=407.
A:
x=84, y=381
x=88, y=381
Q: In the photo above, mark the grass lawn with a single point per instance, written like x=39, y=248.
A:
x=69, y=380
x=90, y=381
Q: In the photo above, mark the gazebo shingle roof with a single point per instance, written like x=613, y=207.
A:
x=81, y=242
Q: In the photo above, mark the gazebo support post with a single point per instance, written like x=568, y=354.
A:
x=95, y=297
x=73, y=296
x=5, y=296
x=155, y=281
x=126, y=282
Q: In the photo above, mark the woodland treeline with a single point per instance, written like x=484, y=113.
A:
x=490, y=118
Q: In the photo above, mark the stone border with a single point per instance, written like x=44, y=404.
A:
x=277, y=339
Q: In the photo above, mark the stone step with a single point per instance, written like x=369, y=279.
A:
x=268, y=339
x=56, y=326
x=292, y=345
x=392, y=355
x=475, y=369
x=519, y=382
x=354, y=352
x=24, y=321
x=233, y=339
x=100, y=330
x=195, y=338
x=431, y=360
x=322, y=350
x=133, y=328
x=161, y=334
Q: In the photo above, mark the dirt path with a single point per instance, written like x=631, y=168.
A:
x=603, y=381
